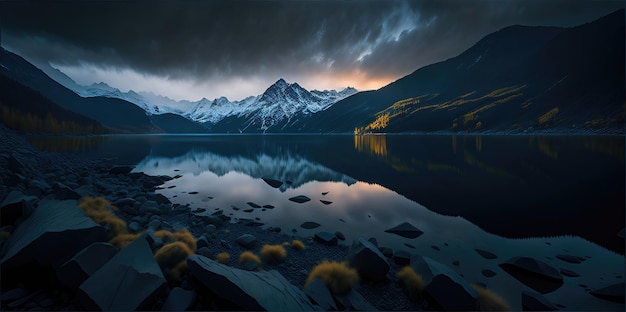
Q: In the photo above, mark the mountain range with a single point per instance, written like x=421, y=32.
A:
x=517, y=79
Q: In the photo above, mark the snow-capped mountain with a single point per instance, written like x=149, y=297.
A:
x=280, y=102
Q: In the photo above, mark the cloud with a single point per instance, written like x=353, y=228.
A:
x=206, y=43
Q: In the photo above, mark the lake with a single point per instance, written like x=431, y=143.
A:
x=508, y=186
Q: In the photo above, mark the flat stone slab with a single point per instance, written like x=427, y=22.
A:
x=405, y=230
x=299, y=199
x=486, y=254
x=326, y=238
x=614, y=293
x=39, y=237
x=534, y=266
x=127, y=282
x=532, y=301
x=319, y=293
x=264, y=290
x=85, y=263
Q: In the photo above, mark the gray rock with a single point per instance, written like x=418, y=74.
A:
x=405, y=230
x=402, y=257
x=569, y=273
x=159, y=199
x=325, y=202
x=253, y=205
x=265, y=290
x=532, y=301
x=206, y=252
x=444, y=288
x=15, y=163
x=210, y=229
x=13, y=294
x=614, y=293
x=149, y=206
x=179, y=300
x=386, y=251
x=319, y=293
x=124, y=202
x=373, y=240
x=273, y=183
x=154, y=241
x=368, y=260
x=621, y=233
x=85, y=263
x=299, y=199
x=129, y=281
x=134, y=227
x=14, y=206
x=353, y=301
x=202, y=242
x=37, y=238
x=488, y=273
x=38, y=187
x=340, y=236
x=154, y=224
x=533, y=266
x=64, y=193
x=246, y=241
x=326, y=238
x=120, y=170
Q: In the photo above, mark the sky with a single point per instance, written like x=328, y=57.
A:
x=194, y=49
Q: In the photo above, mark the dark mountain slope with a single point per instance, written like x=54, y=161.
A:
x=514, y=79
x=172, y=123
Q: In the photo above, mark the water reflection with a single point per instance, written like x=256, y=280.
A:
x=371, y=144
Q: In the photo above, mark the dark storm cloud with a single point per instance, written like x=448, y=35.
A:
x=200, y=39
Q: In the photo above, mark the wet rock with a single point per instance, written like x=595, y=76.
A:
x=159, y=199
x=325, y=202
x=192, y=193
x=37, y=238
x=248, y=210
x=13, y=294
x=569, y=273
x=532, y=301
x=85, y=263
x=402, y=257
x=319, y=293
x=324, y=193
x=299, y=199
x=456, y=263
x=534, y=273
x=14, y=206
x=386, y=251
x=247, y=241
x=210, y=229
x=373, y=241
x=570, y=259
x=127, y=282
x=273, y=183
x=202, y=242
x=38, y=187
x=134, y=227
x=149, y=206
x=309, y=225
x=326, y=238
x=253, y=205
x=249, y=290
x=340, y=235
x=488, y=273
x=445, y=289
x=368, y=260
x=436, y=248
x=120, y=170
x=613, y=293
x=206, y=252
x=405, y=230
x=486, y=254
x=268, y=207
x=179, y=300
x=64, y=193
x=154, y=224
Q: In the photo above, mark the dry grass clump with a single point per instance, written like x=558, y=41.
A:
x=172, y=258
x=286, y=244
x=101, y=211
x=248, y=256
x=273, y=252
x=490, y=301
x=121, y=240
x=185, y=236
x=297, y=244
x=222, y=257
x=412, y=281
x=165, y=235
x=337, y=276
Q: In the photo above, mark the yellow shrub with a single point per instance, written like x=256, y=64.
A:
x=4, y=235
x=273, y=252
x=121, y=240
x=222, y=257
x=171, y=254
x=100, y=211
x=337, y=276
x=297, y=244
x=185, y=236
x=177, y=271
x=287, y=244
x=490, y=301
x=249, y=256
x=413, y=282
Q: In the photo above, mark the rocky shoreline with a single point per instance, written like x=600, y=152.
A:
x=54, y=257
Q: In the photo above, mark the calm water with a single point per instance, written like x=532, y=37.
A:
x=513, y=186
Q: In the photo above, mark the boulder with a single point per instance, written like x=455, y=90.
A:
x=486, y=254
x=309, y=225
x=37, y=238
x=402, y=257
x=340, y=236
x=319, y=293
x=37, y=187
x=614, y=293
x=13, y=207
x=532, y=301
x=325, y=202
x=134, y=227
x=534, y=273
x=85, y=263
x=202, y=241
x=273, y=183
x=299, y=199
x=246, y=241
x=179, y=300
x=326, y=238
x=264, y=290
x=127, y=282
x=124, y=202
x=353, y=301
x=444, y=288
x=621, y=234
x=405, y=230
x=159, y=199
x=368, y=260
x=149, y=206
x=120, y=170
x=64, y=193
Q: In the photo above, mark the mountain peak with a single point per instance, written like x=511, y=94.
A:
x=281, y=83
